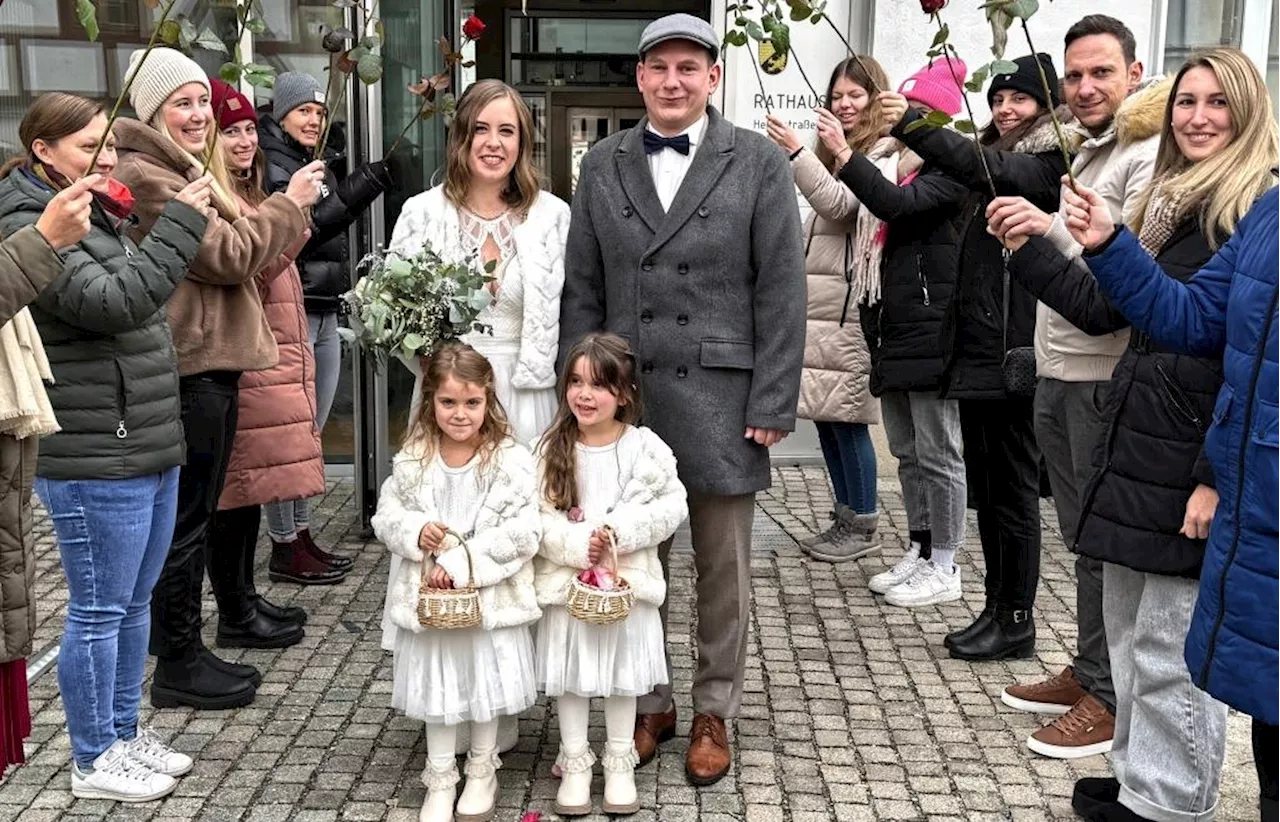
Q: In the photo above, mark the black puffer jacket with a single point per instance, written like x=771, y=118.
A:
x=323, y=263
x=918, y=272
x=973, y=336
x=1158, y=407
x=102, y=321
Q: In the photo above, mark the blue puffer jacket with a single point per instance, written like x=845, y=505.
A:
x=1228, y=307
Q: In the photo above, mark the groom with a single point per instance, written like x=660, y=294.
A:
x=685, y=240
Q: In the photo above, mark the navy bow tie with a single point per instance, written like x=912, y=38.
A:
x=656, y=142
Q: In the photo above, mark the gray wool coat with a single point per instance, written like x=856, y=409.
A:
x=711, y=295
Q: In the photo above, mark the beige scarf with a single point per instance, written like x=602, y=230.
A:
x=1163, y=215
x=24, y=406
x=898, y=165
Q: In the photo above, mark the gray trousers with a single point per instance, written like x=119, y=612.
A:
x=285, y=519
x=924, y=434
x=1068, y=423
x=721, y=531
x=1171, y=737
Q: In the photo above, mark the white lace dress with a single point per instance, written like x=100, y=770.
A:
x=462, y=675
x=626, y=658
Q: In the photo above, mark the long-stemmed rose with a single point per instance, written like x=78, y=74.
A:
x=430, y=87
x=87, y=14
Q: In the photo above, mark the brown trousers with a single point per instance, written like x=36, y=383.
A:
x=721, y=531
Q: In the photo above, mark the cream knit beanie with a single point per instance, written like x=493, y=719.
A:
x=165, y=71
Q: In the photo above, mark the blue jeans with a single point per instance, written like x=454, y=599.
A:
x=851, y=462
x=286, y=519
x=113, y=537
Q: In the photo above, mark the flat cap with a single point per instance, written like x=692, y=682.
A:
x=680, y=27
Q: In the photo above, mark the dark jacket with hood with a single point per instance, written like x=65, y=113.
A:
x=324, y=261
x=918, y=271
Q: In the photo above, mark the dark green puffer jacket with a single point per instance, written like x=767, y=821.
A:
x=103, y=326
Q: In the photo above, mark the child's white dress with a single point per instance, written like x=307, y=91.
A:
x=627, y=658
x=462, y=675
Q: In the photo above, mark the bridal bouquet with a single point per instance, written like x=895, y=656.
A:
x=407, y=305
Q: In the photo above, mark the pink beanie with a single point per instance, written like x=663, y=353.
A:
x=936, y=86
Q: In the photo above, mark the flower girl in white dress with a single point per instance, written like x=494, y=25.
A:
x=605, y=485
x=459, y=508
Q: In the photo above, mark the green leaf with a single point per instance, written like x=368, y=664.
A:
x=941, y=36
x=87, y=14
x=817, y=18
x=1000, y=22
x=800, y=13
x=371, y=41
x=1004, y=67
x=413, y=341
x=978, y=79
x=188, y=33
x=754, y=31
x=938, y=118
x=917, y=124
x=490, y=266
x=1022, y=9
x=211, y=42
x=735, y=38
x=255, y=26
x=170, y=33
x=230, y=72
x=369, y=67
x=964, y=126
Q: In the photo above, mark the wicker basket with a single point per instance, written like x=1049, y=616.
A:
x=596, y=607
x=448, y=608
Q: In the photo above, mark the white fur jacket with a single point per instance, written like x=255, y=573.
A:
x=652, y=506
x=502, y=546
x=429, y=219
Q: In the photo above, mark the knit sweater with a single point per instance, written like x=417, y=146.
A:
x=631, y=487
x=501, y=542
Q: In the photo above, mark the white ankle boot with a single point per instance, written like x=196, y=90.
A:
x=574, y=796
x=442, y=791
x=480, y=794
x=620, y=780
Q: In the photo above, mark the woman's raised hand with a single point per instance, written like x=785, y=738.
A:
x=65, y=220
x=304, y=185
x=831, y=133
x=197, y=193
x=1088, y=216
x=892, y=106
x=782, y=134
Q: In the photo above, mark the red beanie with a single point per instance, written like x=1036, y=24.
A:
x=938, y=85
x=229, y=104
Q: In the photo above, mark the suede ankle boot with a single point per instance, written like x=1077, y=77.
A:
x=292, y=562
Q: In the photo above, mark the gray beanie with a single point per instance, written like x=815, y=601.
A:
x=164, y=72
x=293, y=89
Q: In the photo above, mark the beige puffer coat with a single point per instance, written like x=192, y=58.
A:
x=837, y=366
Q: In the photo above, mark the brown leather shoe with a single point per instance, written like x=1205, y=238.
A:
x=651, y=731
x=709, y=756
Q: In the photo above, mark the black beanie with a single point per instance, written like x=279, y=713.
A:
x=1027, y=80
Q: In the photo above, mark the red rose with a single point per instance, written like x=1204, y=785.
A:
x=933, y=6
x=472, y=28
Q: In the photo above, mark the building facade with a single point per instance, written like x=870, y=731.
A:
x=574, y=62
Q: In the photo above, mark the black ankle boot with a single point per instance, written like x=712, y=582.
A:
x=257, y=630
x=191, y=680
x=976, y=627
x=236, y=669
x=1011, y=634
x=280, y=613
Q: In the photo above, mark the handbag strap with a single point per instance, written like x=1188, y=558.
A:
x=1004, y=326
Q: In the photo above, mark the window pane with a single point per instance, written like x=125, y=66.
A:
x=1194, y=23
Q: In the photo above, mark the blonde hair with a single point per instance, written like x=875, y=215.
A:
x=524, y=182
x=870, y=76
x=613, y=365
x=1223, y=187
x=223, y=188
x=466, y=365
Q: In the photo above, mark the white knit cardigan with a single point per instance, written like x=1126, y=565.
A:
x=652, y=506
x=505, y=539
x=429, y=219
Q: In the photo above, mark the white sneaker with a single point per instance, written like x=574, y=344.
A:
x=898, y=574
x=929, y=585
x=119, y=777
x=147, y=748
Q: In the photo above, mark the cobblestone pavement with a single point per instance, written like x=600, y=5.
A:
x=852, y=709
